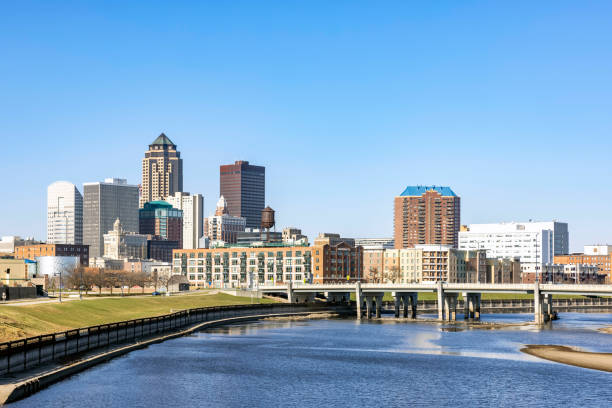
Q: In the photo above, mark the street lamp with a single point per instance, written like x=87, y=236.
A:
x=81, y=286
x=60, y=284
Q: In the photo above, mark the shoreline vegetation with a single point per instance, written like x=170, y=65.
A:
x=570, y=356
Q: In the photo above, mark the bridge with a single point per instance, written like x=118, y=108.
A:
x=369, y=296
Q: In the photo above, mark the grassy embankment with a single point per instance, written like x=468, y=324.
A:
x=32, y=320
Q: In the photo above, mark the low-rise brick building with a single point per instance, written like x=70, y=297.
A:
x=34, y=251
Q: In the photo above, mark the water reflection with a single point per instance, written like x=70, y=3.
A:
x=348, y=363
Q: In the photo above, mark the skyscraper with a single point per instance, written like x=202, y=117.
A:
x=104, y=203
x=244, y=188
x=193, y=217
x=162, y=171
x=426, y=215
x=64, y=214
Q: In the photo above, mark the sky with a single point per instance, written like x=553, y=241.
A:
x=345, y=103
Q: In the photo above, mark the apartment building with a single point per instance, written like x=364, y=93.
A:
x=562, y=273
x=425, y=215
x=234, y=267
x=597, y=255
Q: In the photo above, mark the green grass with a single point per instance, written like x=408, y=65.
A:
x=32, y=320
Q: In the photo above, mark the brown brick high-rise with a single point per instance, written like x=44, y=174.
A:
x=244, y=188
x=426, y=215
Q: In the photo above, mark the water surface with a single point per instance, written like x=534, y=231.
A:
x=344, y=362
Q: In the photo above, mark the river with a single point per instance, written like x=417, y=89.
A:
x=344, y=362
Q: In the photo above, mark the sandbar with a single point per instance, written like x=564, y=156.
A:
x=571, y=356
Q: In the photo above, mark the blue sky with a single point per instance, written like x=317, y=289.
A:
x=344, y=102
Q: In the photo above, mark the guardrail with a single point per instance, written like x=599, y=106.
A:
x=22, y=354
x=509, y=304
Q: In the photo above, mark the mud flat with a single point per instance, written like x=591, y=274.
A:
x=606, y=330
x=571, y=356
x=322, y=315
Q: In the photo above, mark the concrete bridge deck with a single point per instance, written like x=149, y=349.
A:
x=369, y=295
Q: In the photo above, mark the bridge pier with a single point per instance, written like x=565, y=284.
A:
x=414, y=299
x=290, y=297
x=397, y=305
x=440, y=291
x=450, y=305
x=537, y=304
x=368, y=301
x=548, y=300
x=402, y=300
x=447, y=304
x=358, y=298
x=373, y=304
x=471, y=305
x=379, y=300
x=337, y=297
x=304, y=297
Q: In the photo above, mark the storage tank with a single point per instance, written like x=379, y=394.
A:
x=267, y=218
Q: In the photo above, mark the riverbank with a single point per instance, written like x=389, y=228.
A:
x=571, y=356
x=30, y=382
x=19, y=321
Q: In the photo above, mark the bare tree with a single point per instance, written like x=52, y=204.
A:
x=88, y=279
x=71, y=278
x=99, y=279
x=392, y=274
x=164, y=281
x=374, y=274
x=112, y=280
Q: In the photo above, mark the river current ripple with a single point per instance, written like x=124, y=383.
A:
x=344, y=362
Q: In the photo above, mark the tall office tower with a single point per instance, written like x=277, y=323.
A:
x=64, y=214
x=160, y=219
x=426, y=215
x=193, y=217
x=244, y=188
x=104, y=203
x=162, y=171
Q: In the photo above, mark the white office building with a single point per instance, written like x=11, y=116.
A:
x=64, y=214
x=531, y=242
x=223, y=227
x=598, y=249
x=193, y=217
x=375, y=243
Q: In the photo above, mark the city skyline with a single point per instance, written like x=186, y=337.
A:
x=375, y=103
x=312, y=233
